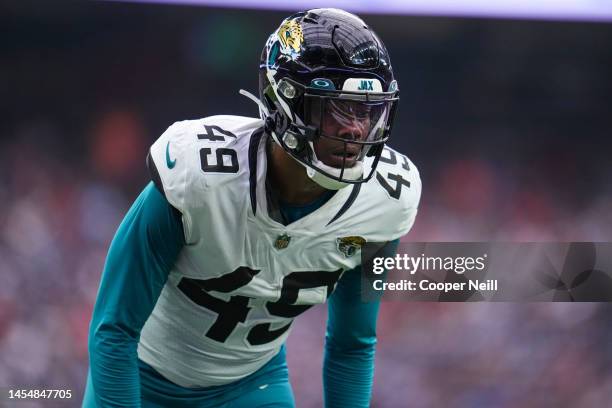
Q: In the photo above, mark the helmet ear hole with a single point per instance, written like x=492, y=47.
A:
x=269, y=124
x=280, y=122
x=268, y=98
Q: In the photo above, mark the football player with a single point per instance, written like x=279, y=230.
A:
x=248, y=222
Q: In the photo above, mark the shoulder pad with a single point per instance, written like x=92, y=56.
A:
x=397, y=186
x=195, y=155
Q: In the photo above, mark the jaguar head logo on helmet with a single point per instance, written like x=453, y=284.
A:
x=290, y=37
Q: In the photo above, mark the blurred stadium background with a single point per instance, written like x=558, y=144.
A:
x=508, y=120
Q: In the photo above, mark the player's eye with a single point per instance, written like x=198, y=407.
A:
x=349, y=109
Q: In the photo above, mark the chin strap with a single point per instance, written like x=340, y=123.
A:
x=324, y=181
x=263, y=111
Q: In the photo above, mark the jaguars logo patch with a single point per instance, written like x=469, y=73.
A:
x=350, y=245
x=291, y=37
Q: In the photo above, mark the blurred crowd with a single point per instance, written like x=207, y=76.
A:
x=499, y=175
x=58, y=217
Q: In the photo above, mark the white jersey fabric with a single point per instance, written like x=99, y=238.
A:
x=242, y=277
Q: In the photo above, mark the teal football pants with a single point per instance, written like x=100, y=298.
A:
x=268, y=387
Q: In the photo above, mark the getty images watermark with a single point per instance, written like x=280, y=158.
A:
x=412, y=264
x=481, y=271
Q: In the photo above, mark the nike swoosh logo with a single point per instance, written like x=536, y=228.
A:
x=169, y=163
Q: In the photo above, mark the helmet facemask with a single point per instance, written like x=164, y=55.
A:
x=331, y=132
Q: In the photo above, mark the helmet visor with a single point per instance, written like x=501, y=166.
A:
x=347, y=128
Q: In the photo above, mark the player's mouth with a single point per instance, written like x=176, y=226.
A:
x=344, y=157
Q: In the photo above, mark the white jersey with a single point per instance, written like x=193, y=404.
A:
x=242, y=277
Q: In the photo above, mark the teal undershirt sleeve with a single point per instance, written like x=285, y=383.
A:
x=350, y=341
x=144, y=249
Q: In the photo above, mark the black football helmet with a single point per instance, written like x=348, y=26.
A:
x=328, y=95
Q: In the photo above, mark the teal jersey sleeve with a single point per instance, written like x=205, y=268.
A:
x=350, y=342
x=143, y=251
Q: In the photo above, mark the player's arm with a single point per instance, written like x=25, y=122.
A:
x=144, y=249
x=350, y=342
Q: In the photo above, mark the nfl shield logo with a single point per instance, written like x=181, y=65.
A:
x=282, y=241
x=350, y=245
